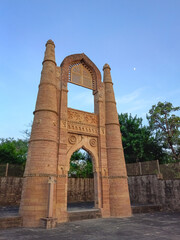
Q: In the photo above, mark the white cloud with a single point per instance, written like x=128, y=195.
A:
x=137, y=102
x=129, y=97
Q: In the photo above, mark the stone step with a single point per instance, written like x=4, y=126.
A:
x=9, y=222
x=146, y=208
x=83, y=214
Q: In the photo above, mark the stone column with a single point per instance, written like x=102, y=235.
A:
x=42, y=152
x=118, y=191
x=62, y=180
x=103, y=169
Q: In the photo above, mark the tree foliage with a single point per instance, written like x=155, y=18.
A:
x=160, y=140
x=138, y=143
x=81, y=165
x=166, y=127
x=13, y=151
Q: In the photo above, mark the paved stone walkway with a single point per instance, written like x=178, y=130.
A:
x=154, y=226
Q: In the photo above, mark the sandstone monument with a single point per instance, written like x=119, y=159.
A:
x=58, y=131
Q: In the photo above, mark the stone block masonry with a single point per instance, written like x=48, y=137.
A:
x=10, y=191
x=147, y=189
x=80, y=190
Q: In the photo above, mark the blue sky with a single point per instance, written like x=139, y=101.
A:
x=139, y=39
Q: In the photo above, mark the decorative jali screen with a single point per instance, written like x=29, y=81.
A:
x=80, y=75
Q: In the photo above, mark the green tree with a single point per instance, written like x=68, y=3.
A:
x=13, y=151
x=81, y=165
x=166, y=127
x=138, y=143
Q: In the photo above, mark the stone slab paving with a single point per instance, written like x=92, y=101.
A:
x=154, y=226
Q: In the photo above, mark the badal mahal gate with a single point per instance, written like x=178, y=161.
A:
x=58, y=131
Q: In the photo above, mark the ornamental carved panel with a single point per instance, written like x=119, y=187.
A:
x=82, y=117
x=83, y=122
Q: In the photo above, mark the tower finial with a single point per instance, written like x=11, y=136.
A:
x=50, y=53
x=50, y=42
x=106, y=66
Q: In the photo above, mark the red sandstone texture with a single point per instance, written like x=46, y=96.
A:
x=58, y=131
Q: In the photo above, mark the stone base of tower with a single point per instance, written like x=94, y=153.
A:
x=34, y=201
x=105, y=207
x=61, y=199
x=105, y=212
x=119, y=198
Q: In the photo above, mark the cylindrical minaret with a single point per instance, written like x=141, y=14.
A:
x=42, y=153
x=119, y=193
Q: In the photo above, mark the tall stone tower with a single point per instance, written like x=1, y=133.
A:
x=58, y=131
x=43, y=147
x=118, y=185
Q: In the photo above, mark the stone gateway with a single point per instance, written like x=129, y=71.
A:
x=58, y=131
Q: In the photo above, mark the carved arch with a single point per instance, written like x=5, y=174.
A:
x=83, y=59
x=97, y=186
x=83, y=146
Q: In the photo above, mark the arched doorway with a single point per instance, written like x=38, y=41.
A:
x=80, y=190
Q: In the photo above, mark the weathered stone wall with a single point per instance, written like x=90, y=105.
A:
x=80, y=190
x=10, y=190
x=147, y=189
x=151, y=190
x=169, y=171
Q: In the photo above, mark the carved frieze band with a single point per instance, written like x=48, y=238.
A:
x=82, y=128
x=82, y=122
x=82, y=117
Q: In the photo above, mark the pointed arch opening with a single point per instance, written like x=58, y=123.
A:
x=81, y=184
x=84, y=70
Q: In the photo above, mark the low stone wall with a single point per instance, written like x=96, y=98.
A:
x=80, y=190
x=151, y=190
x=10, y=191
x=169, y=171
x=147, y=189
